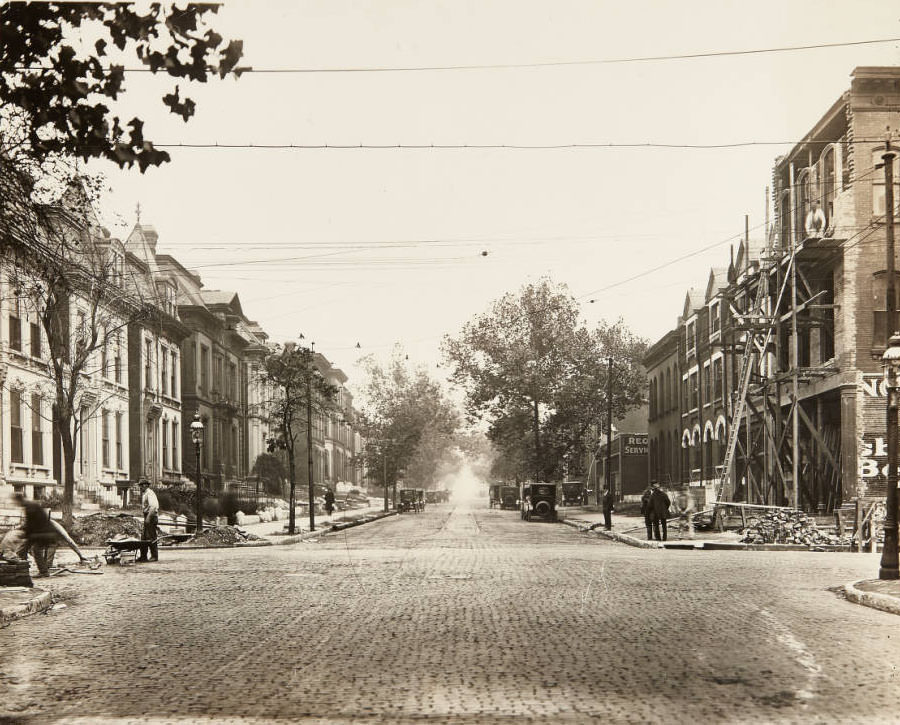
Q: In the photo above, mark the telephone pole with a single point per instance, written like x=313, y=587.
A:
x=309, y=456
x=609, y=408
x=890, y=567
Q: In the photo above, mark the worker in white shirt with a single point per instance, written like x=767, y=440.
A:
x=150, y=508
x=815, y=222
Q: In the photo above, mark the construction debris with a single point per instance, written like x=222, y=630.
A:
x=97, y=529
x=788, y=527
x=221, y=536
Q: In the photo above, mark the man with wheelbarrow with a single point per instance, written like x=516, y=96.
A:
x=150, y=509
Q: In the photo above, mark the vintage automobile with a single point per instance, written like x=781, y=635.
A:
x=494, y=495
x=573, y=493
x=509, y=497
x=432, y=497
x=408, y=500
x=538, y=501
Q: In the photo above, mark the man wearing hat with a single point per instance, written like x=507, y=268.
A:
x=150, y=508
x=659, y=511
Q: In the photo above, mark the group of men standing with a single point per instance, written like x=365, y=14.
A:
x=655, y=507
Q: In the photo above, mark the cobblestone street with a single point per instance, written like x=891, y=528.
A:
x=460, y=614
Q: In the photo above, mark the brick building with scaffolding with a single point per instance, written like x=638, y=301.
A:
x=779, y=396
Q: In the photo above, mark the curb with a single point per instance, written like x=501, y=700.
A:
x=40, y=603
x=875, y=600
x=613, y=535
x=319, y=532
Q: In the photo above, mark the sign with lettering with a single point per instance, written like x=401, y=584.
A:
x=635, y=445
x=873, y=386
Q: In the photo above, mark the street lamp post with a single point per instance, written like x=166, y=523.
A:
x=890, y=566
x=197, y=438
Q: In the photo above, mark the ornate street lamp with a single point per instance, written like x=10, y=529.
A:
x=889, y=554
x=197, y=438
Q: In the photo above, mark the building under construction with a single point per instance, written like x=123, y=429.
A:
x=769, y=390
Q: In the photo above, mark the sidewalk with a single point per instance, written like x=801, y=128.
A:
x=274, y=531
x=875, y=593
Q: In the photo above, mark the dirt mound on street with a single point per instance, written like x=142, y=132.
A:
x=94, y=530
x=222, y=535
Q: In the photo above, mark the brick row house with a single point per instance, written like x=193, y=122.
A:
x=805, y=308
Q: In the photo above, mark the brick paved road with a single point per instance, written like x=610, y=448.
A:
x=457, y=615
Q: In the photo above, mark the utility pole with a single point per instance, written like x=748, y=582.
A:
x=609, y=408
x=309, y=456
x=384, y=475
x=890, y=566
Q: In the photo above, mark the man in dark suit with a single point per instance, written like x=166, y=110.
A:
x=659, y=511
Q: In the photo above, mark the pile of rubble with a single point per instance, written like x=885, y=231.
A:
x=788, y=527
x=222, y=536
x=96, y=529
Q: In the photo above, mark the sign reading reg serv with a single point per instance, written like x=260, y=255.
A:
x=636, y=445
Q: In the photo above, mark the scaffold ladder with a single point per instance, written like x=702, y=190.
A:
x=750, y=346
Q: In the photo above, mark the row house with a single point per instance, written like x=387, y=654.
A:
x=800, y=316
x=154, y=365
x=213, y=383
x=31, y=452
x=335, y=441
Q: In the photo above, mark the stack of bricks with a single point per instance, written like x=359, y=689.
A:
x=14, y=573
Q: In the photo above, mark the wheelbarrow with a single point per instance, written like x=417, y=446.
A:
x=124, y=551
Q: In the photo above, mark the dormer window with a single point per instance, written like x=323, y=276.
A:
x=166, y=292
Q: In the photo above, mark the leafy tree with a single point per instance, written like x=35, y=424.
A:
x=407, y=422
x=271, y=471
x=56, y=87
x=538, y=376
x=297, y=392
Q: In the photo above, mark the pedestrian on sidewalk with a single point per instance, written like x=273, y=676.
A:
x=608, y=500
x=659, y=511
x=329, y=501
x=150, y=509
x=645, y=511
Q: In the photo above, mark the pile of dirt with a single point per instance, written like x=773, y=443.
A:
x=788, y=527
x=222, y=535
x=94, y=530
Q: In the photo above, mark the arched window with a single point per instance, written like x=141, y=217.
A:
x=784, y=216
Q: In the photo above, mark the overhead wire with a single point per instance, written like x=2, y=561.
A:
x=241, y=70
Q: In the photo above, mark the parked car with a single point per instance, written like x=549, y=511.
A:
x=408, y=500
x=538, y=501
x=509, y=497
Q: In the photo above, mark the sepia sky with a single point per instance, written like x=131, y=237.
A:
x=379, y=246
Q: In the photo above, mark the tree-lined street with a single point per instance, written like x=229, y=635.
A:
x=460, y=614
